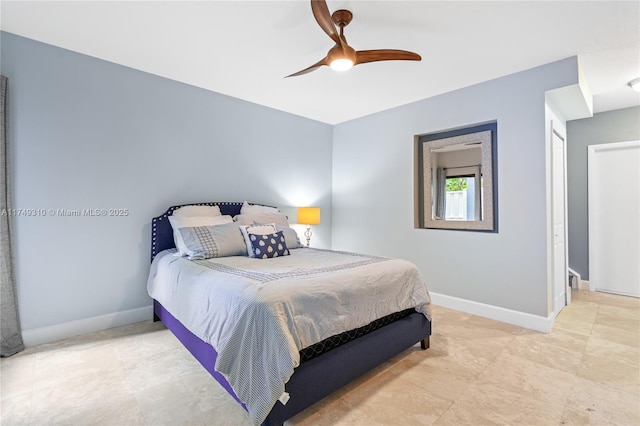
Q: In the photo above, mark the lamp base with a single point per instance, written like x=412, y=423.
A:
x=308, y=234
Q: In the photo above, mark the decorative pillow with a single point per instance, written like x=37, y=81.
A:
x=204, y=242
x=260, y=230
x=290, y=236
x=190, y=211
x=255, y=208
x=178, y=222
x=269, y=245
x=260, y=218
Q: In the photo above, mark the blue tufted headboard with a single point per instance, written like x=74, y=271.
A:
x=162, y=232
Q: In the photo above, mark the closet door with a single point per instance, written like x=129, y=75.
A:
x=614, y=217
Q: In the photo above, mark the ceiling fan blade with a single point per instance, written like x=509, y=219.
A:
x=364, y=56
x=313, y=67
x=323, y=17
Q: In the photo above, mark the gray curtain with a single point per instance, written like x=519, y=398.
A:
x=10, y=333
x=441, y=182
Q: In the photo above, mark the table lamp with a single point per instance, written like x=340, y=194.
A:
x=308, y=216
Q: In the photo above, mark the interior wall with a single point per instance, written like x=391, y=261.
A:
x=373, y=190
x=89, y=134
x=605, y=127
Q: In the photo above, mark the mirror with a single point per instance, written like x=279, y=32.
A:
x=457, y=185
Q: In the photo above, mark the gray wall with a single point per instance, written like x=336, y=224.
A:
x=373, y=190
x=91, y=134
x=605, y=127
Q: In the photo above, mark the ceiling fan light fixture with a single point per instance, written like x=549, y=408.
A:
x=341, y=64
x=635, y=84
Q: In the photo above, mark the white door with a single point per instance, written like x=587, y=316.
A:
x=561, y=296
x=614, y=217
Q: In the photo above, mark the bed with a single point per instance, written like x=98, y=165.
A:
x=317, y=369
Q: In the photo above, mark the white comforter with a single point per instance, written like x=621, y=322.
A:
x=259, y=313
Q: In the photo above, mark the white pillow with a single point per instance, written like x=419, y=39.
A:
x=258, y=230
x=290, y=235
x=191, y=211
x=254, y=208
x=262, y=218
x=191, y=222
x=214, y=241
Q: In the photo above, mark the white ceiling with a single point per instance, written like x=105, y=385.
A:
x=245, y=48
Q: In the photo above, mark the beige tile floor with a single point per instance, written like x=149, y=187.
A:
x=477, y=371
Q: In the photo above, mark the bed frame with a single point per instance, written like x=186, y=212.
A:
x=315, y=378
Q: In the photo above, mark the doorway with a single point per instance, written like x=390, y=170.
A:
x=561, y=291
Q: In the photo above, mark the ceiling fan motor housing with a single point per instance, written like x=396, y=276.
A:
x=341, y=52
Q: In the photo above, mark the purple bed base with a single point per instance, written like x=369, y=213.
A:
x=316, y=378
x=323, y=375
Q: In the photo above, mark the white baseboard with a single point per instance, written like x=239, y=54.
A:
x=521, y=319
x=51, y=333
x=581, y=284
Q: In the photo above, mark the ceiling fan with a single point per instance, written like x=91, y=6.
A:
x=341, y=57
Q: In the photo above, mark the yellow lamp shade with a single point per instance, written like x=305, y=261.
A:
x=309, y=215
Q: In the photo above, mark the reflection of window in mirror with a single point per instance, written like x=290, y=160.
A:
x=460, y=201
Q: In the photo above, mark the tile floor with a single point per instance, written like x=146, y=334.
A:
x=477, y=371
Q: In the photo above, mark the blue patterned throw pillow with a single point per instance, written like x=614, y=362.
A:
x=269, y=245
